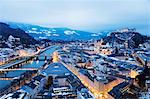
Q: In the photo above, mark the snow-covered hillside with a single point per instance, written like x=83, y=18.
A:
x=39, y=32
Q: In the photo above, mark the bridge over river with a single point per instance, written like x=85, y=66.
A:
x=19, y=67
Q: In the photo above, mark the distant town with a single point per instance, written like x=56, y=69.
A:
x=115, y=66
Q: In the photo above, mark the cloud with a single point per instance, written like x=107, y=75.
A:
x=78, y=14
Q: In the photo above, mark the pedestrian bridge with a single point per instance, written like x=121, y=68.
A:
x=42, y=57
x=18, y=69
x=6, y=78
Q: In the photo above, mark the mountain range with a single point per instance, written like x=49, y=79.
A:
x=66, y=34
x=31, y=34
x=6, y=31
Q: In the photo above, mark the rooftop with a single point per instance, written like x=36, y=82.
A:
x=20, y=94
x=86, y=94
x=56, y=69
x=116, y=91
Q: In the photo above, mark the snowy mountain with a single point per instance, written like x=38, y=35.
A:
x=133, y=38
x=39, y=32
x=7, y=32
x=12, y=41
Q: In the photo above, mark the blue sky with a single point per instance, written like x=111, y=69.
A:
x=88, y=15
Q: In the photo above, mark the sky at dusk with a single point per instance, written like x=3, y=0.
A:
x=88, y=15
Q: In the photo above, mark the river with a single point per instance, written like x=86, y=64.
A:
x=32, y=64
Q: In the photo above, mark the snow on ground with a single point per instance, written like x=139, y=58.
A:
x=53, y=30
x=36, y=32
x=40, y=37
x=34, y=29
x=94, y=35
x=48, y=34
x=5, y=53
x=100, y=33
x=67, y=32
x=55, y=34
